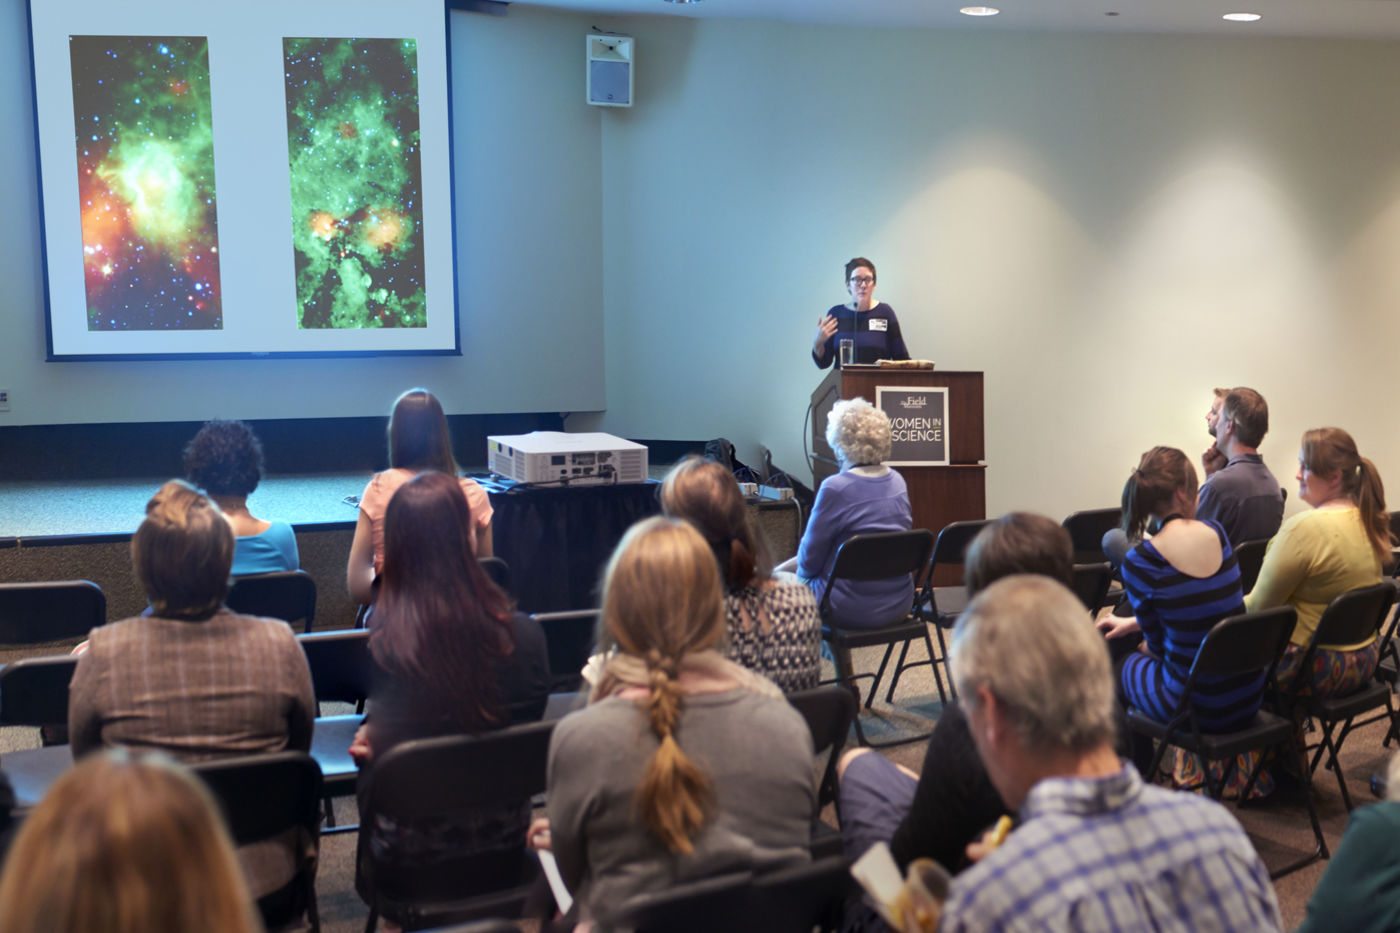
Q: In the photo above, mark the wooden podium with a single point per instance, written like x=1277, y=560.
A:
x=938, y=494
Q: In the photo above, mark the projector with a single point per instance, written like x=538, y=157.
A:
x=567, y=459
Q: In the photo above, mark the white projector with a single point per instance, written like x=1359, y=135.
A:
x=555, y=457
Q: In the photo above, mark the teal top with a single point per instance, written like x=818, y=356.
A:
x=1360, y=891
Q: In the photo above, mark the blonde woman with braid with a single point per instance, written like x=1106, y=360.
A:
x=1337, y=545
x=684, y=764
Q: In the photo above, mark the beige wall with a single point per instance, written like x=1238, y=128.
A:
x=1108, y=227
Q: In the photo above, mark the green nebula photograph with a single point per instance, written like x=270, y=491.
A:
x=144, y=134
x=356, y=182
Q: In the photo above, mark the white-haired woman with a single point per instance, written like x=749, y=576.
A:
x=866, y=496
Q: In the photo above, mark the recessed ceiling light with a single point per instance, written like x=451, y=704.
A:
x=682, y=1
x=1242, y=17
x=979, y=11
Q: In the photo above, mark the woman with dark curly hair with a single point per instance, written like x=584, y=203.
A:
x=225, y=459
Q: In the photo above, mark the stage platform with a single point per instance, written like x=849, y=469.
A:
x=555, y=540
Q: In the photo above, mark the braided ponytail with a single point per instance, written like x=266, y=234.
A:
x=674, y=794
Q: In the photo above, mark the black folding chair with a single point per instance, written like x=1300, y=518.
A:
x=571, y=638
x=289, y=595
x=791, y=900
x=1091, y=582
x=1086, y=530
x=1238, y=645
x=943, y=604
x=437, y=779
x=498, y=570
x=829, y=712
x=38, y=613
x=34, y=692
x=1353, y=617
x=880, y=556
x=340, y=673
x=1250, y=556
x=263, y=797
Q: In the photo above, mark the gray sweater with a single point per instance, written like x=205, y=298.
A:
x=758, y=754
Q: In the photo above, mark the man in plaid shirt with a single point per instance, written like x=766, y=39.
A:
x=1096, y=848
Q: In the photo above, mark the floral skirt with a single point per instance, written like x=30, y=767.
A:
x=1329, y=673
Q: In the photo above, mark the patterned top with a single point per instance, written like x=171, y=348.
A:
x=1176, y=612
x=1113, y=853
x=775, y=631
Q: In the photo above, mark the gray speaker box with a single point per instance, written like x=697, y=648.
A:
x=609, y=73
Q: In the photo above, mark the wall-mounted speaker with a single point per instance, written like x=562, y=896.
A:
x=609, y=71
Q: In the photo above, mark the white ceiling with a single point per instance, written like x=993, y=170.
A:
x=1351, y=19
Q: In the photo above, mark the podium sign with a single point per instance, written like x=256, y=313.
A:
x=918, y=424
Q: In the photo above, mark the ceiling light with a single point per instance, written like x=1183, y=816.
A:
x=979, y=11
x=682, y=1
x=1242, y=17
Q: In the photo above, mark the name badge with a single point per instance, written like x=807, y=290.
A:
x=879, y=323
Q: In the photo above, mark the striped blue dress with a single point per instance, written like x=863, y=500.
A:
x=1176, y=612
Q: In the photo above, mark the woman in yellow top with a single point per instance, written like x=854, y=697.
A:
x=1317, y=555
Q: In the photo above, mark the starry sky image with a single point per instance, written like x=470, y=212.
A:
x=145, y=145
x=357, y=219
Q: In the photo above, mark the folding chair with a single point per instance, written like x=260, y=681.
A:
x=1237, y=645
x=289, y=595
x=436, y=779
x=1090, y=583
x=340, y=673
x=498, y=570
x=262, y=797
x=943, y=604
x=1250, y=556
x=38, y=613
x=829, y=712
x=880, y=556
x=571, y=638
x=1086, y=530
x=1353, y=617
x=34, y=692
x=791, y=900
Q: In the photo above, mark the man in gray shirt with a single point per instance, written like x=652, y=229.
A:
x=1239, y=492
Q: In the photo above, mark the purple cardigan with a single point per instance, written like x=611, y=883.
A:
x=848, y=504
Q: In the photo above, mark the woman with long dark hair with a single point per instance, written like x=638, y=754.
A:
x=451, y=656
x=418, y=442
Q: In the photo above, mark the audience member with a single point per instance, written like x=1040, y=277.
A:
x=938, y=812
x=192, y=678
x=1360, y=890
x=1097, y=848
x=418, y=442
x=124, y=845
x=1179, y=584
x=225, y=459
x=1241, y=495
x=1213, y=458
x=866, y=496
x=684, y=764
x=772, y=624
x=451, y=656
x=1338, y=545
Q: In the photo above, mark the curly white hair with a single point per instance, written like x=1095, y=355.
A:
x=858, y=432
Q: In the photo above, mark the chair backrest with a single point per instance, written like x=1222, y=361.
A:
x=433, y=780
x=1086, y=530
x=954, y=539
x=1246, y=643
x=1250, y=556
x=880, y=555
x=340, y=663
x=262, y=797
x=498, y=570
x=829, y=712
x=1091, y=582
x=34, y=691
x=791, y=900
x=1354, y=616
x=36, y=613
x=571, y=638
x=289, y=595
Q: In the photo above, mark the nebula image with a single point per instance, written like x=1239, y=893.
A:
x=356, y=180
x=145, y=145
